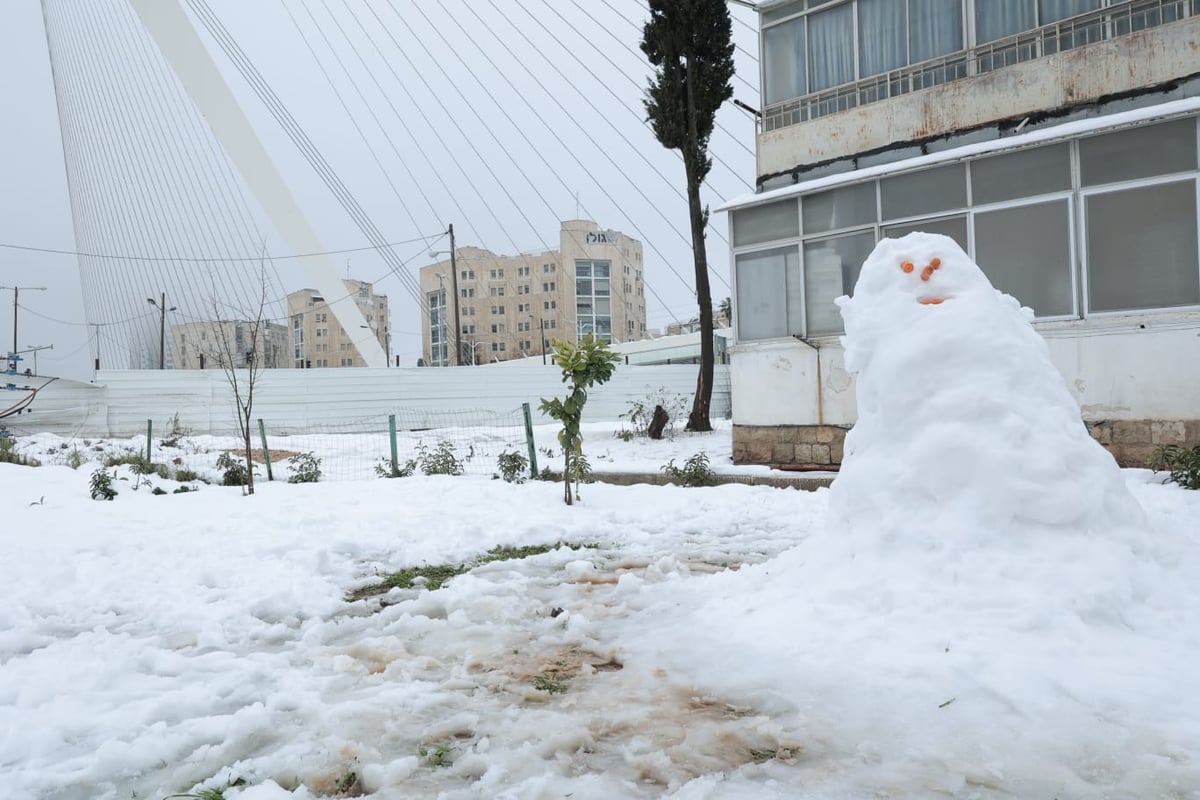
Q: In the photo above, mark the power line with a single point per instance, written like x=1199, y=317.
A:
x=216, y=259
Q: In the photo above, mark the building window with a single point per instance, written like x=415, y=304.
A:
x=1141, y=248
x=496, y=291
x=470, y=292
x=831, y=268
x=1026, y=252
x=593, y=299
x=769, y=298
x=497, y=309
x=549, y=304
x=548, y=286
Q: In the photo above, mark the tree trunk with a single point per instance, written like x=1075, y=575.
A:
x=694, y=161
x=249, y=456
x=568, y=498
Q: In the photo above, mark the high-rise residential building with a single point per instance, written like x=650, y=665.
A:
x=315, y=339
x=219, y=344
x=508, y=307
x=1055, y=141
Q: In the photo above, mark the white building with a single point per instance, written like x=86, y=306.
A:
x=1055, y=140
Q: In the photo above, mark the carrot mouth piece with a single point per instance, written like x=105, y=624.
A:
x=931, y=301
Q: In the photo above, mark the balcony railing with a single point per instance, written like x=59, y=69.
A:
x=1068, y=34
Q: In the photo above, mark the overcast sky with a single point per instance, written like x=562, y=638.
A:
x=500, y=116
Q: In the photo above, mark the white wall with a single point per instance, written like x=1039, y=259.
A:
x=1119, y=368
x=289, y=400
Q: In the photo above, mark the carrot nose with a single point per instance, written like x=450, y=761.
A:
x=927, y=273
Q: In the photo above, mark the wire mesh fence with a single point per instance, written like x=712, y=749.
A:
x=410, y=440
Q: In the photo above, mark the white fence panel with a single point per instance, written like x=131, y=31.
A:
x=302, y=400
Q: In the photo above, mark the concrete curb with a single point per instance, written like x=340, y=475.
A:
x=803, y=481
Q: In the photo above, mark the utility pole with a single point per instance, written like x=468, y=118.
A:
x=16, y=290
x=454, y=289
x=162, y=328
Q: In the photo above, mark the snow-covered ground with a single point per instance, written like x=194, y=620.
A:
x=982, y=606
x=161, y=644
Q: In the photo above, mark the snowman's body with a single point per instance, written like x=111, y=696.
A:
x=962, y=417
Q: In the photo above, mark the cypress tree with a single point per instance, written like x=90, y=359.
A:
x=690, y=45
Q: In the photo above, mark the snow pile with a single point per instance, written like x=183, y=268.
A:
x=965, y=428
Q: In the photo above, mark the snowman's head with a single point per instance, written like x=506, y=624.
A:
x=922, y=268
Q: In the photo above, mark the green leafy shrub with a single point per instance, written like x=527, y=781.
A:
x=694, y=472
x=175, y=432
x=183, y=490
x=437, y=755
x=75, y=459
x=384, y=469
x=513, y=466
x=184, y=475
x=233, y=471
x=305, y=468
x=441, y=460
x=1182, y=464
x=584, y=365
x=101, y=485
x=9, y=454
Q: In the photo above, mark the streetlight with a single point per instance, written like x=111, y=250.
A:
x=16, y=290
x=162, y=328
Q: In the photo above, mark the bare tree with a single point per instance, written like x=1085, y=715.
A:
x=241, y=353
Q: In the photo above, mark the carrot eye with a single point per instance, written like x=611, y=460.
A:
x=907, y=266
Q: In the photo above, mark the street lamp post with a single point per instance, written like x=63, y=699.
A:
x=16, y=290
x=162, y=328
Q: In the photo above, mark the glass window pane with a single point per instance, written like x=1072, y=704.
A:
x=1141, y=248
x=954, y=227
x=931, y=190
x=783, y=62
x=1138, y=152
x=844, y=207
x=994, y=20
x=583, y=268
x=830, y=270
x=782, y=11
x=1026, y=252
x=1055, y=10
x=1022, y=174
x=602, y=287
x=765, y=223
x=603, y=305
x=600, y=269
x=881, y=39
x=583, y=286
x=831, y=47
x=762, y=280
x=935, y=28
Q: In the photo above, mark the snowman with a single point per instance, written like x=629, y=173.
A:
x=965, y=427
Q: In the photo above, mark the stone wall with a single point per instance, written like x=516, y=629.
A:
x=780, y=445
x=1131, y=442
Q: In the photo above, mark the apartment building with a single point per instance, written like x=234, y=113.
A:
x=1055, y=140
x=217, y=344
x=316, y=340
x=509, y=307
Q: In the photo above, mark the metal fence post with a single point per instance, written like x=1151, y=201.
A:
x=149, y=431
x=533, y=469
x=392, y=438
x=262, y=432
